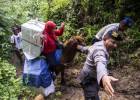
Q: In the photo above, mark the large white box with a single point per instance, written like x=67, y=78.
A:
x=31, y=38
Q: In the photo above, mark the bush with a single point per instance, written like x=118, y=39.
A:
x=9, y=84
x=11, y=87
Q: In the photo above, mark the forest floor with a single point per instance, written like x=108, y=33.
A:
x=127, y=88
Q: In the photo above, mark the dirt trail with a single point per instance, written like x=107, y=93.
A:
x=127, y=88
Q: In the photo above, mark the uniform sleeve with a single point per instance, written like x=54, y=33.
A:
x=100, y=33
x=109, y=29
x=101, y=65
x=83, y=49
x=59, y=32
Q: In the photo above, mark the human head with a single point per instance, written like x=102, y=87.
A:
x=111, y=39
x=50, y=26
x=125, y=23
x=16, y=29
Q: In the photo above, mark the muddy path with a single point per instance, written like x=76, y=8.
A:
x=127, y=88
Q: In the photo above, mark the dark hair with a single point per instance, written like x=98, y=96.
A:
x=106, y=37
x=127, y=21
x=16, y=27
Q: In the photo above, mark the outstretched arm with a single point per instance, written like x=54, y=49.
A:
x=60, y=31
x=106, y=81
x=83, y=49
x=102, y=74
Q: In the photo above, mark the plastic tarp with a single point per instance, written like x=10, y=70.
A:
x=36, y=73
x=31, y=38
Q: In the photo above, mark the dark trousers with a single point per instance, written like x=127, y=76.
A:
x=90, y=88
x=91, y=98
x=51, y=59
x=18, y=54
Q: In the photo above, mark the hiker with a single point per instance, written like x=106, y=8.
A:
x=118, y=27
x=51, y=44
x=36, y=71
x=94, y=73
x=16, y=42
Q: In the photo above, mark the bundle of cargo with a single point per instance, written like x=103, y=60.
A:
x=35, y=72
x=31, y=38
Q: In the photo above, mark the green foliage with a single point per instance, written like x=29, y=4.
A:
x=57, y=4
x=5, y=47
x=69, y=31
x=84, y=17
x=11, y=87
x=89, y=32
x=9, y=84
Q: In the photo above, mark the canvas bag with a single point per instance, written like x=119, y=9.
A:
x=36, y=73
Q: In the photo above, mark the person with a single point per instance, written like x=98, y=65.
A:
x=16, y=42
x=94, y=73
x=118, y=27
x=51, y=43
x=38, y=72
